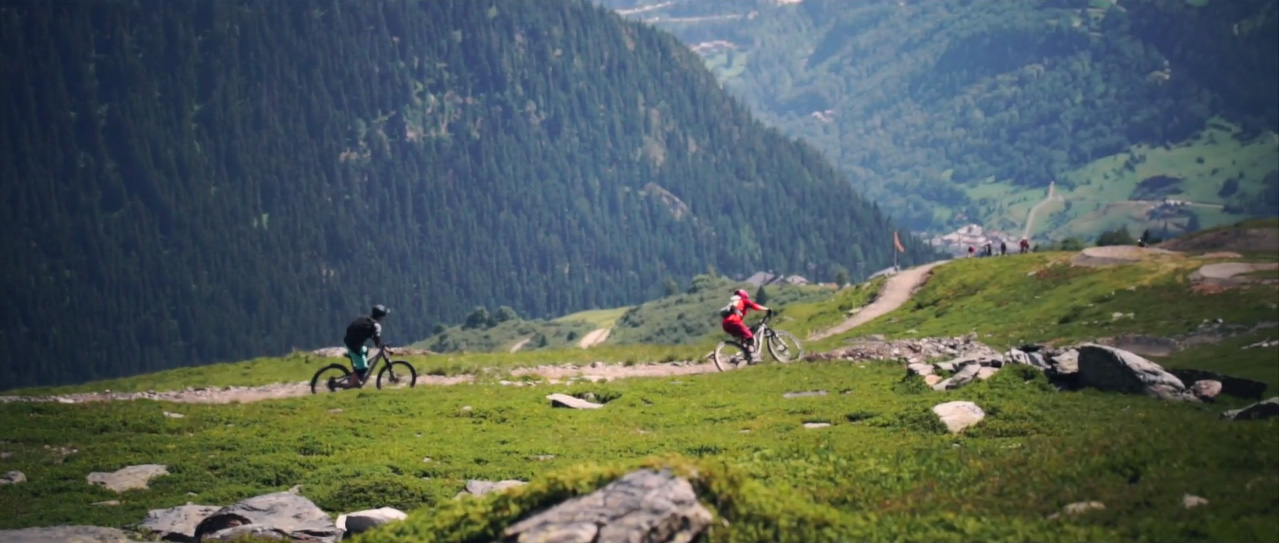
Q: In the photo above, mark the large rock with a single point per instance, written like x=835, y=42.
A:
x=1260, y=410
x=958, y=415
x=64, y=534
x=1233, y=386
x=13, y=478
x=644, y=506
x=1108, y=368
x=130, y=478
x=283, y=516
x=363, y=521
x=177, y=523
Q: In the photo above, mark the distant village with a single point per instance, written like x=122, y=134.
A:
x=973, y=235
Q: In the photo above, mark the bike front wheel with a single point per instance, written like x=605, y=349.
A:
x=784, y=346
x=397, y=374
x=330, y=378
x=730, y=355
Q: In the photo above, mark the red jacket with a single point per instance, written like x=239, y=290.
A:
x=740, y=307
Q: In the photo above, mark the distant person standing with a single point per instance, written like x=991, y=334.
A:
x=971, y=251
x=1003, y=248
x=1025, y=246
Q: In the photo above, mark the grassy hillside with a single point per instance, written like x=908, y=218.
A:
x=885, y=470
x=948, y=113
x=685, y=318
x=1216, y=171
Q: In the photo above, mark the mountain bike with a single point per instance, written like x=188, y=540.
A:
x=394, y=374
x=784, y=346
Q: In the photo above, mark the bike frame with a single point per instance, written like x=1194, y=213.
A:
x=380, y=357
x=759, y=330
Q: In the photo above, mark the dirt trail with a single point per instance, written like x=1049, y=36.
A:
x=596, y=371
x=520, y=344
x=895, y=292
x=1030, y=217
x=594, y=338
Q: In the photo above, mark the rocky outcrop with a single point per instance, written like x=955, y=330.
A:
x=282, y=516
x=910, y=350
x=1107, y=368
x=129, y=478
x=65, y=534
x=644, y=506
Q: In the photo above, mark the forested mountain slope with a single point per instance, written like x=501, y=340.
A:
x=186, y=182
x=950, y=112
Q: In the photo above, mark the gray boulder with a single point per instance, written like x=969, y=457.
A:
x=644, y=506
x=363, y=521
x=1260, y=410
x=282, y=515
x=958, y=415
x=177, y=523
x=1108, y=368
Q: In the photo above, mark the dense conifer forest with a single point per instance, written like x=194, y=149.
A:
x=202, y=180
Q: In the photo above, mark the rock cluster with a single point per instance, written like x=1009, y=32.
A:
x=911, y=350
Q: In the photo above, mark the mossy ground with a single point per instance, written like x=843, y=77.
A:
x=885, y=470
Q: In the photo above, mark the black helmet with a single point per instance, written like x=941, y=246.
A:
x=379, y=311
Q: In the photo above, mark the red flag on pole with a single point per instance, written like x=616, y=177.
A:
x=897, y=242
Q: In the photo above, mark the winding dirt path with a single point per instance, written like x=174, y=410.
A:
x=594, y=338
x=1030, y=216
x=596, y=371
x=895, y=292
x=520, y=344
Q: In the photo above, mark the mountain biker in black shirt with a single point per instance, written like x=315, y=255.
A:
x=362, y=329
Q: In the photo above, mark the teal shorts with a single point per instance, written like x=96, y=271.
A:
x=359, y=359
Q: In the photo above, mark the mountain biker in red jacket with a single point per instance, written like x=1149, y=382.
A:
x=362, y=329
x=732, y=323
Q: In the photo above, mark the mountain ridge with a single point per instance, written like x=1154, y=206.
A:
x=203, y=181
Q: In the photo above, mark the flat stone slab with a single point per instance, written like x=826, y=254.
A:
x=644, y=506
x=571, y=402
x=130, y=478
x=958, y=415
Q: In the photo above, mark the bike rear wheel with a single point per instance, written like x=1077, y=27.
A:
x=730, y=355
x=330, y=378
x=397, y=374
x=784, y=346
